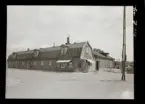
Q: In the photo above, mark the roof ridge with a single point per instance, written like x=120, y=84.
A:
x=40, y=49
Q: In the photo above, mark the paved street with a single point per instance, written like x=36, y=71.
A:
x=39, y=84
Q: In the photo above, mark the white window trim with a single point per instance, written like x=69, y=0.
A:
x=42, y=62
x=63, y=50
x=36, y=53
x=49, y=63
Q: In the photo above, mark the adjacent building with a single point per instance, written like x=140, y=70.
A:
x=102, y=60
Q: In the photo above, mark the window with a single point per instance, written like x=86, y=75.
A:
x=87, y=49
x=63, y=65
x=70, y=65
x=42, y=63
x=34, y=63
x=58, y=65
x=22, y=63
x=36, y=53
x=49, y=63
x=63, y=50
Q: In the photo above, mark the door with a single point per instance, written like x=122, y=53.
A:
x=97, y=65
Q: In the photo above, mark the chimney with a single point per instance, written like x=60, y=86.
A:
x=53, y=44
x=106, y=54
x=68, y=41
x=28, y=49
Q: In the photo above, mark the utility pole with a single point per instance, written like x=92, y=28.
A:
x=124, y=45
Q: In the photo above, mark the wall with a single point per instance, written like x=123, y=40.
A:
x=93, y=66
x=104, y=63
x=89, y=55
x=83, y=53
x=10, y=64
x=45, y=65
x=38, y=66
x=75, y=64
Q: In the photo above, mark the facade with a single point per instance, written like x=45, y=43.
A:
x=67, y=57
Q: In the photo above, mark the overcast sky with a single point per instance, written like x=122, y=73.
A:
x=41, y=26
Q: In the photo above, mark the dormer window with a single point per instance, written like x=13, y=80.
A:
x=36, y=52
x=63, y=49
x=87, y=50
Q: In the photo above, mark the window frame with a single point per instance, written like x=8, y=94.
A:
x=64, y=50
x=49, y=63
x=63, y=65
x=87, y=50
x=42, y=63
x=36, y=53
x=70, y=63
x=58, y=65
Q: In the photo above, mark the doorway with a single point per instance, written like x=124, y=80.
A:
x=97, y=65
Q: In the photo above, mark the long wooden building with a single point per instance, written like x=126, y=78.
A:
x=66, y=57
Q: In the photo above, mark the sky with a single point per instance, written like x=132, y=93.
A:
x=41, y=26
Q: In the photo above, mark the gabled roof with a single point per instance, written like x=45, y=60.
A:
x=54, y=52
x=109, y=57
x=10, y=57
x=102, y=56
x=50, y=52
x=76, y=45
x=22, y=55
x=71, y=52
x=98, y=54
x=49, y=49
x=24, y=52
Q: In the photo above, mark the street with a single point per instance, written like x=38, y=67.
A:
x=92, y=85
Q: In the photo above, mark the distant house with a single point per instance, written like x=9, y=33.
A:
x=130, y=67
x=67, y=57
x=118, y=64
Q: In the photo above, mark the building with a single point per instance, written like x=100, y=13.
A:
x=67, y=57
x=102, y=60
x=118, y=65
x=129, y=67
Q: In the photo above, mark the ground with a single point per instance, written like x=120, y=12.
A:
x=92, y=85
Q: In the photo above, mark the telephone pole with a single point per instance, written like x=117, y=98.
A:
x=124, y=45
